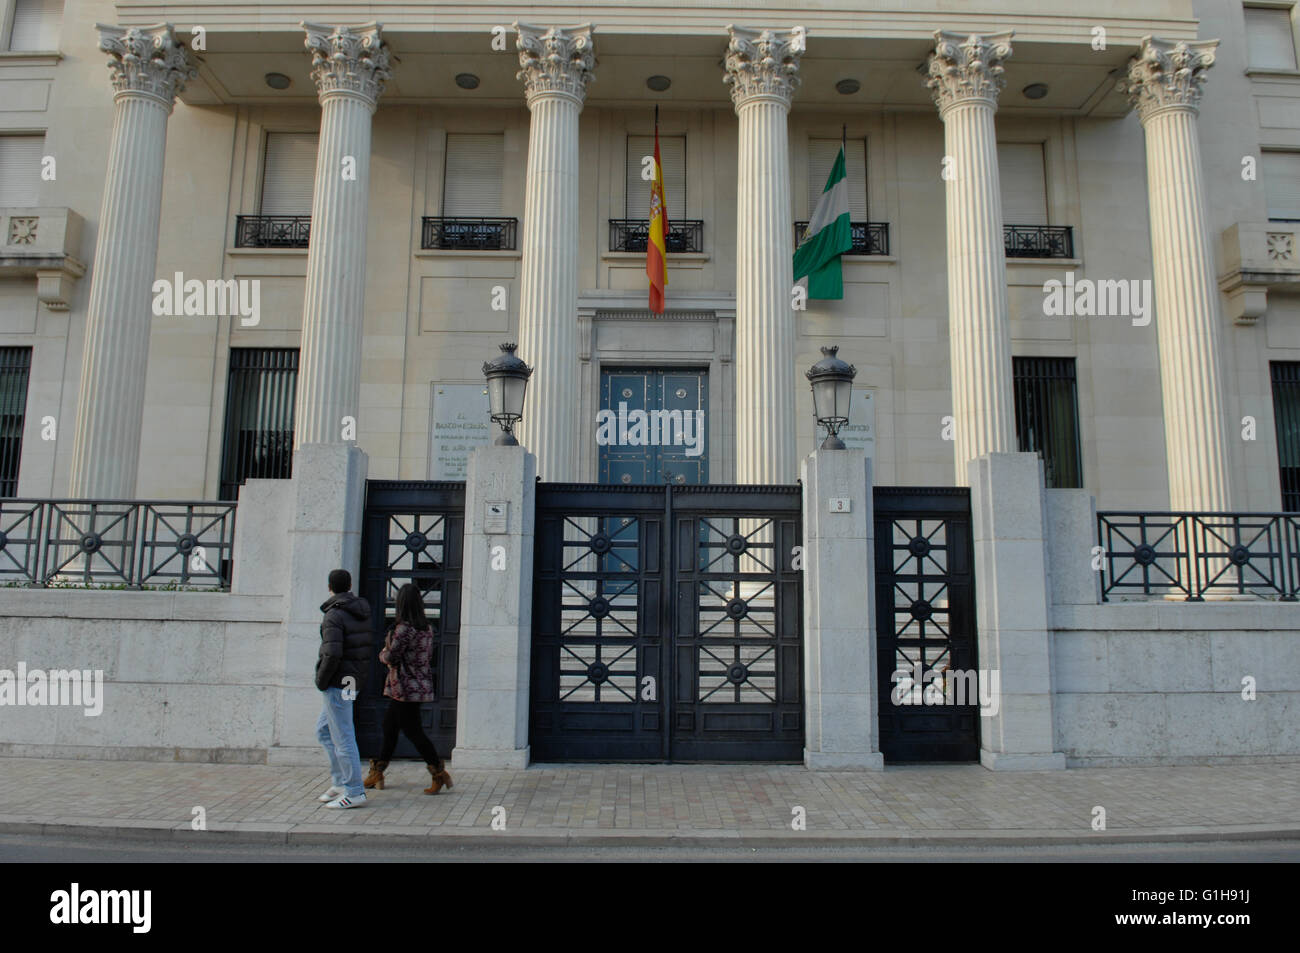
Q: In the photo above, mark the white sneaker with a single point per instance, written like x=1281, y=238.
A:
x=343, y=800
x=332, y=793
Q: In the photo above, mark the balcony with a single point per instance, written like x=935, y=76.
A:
x=469, y=234
x=272, y=231
x=869, y=238
x=1038, y=241
x=44, y=243
x=631, y=234
x=1257, y=258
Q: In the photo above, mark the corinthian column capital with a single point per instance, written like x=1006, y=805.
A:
x=763, y=64
x=348, y=60
x=146, y=61
x=1167, y=75
x=558, y=60
x=967, y=68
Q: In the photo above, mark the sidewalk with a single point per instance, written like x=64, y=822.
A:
x=655, y=805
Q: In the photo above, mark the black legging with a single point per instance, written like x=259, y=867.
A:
x=406, y=717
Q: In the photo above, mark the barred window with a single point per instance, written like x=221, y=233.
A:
x=258, y=440
x=1286, y=417
x=15, y=369
x=1047, y=417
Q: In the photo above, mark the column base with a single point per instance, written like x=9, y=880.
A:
x=489, y=759
x=1005, y=761
x=844, y=761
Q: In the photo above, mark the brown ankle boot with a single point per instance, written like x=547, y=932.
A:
x=375, y=779
x=438, y=779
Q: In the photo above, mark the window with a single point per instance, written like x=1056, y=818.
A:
x=471, y=186
x=1286, y=417
x=258, y=441
x=1281, y=173
x=672, y=156
x=289, y=175
x=1047, y=417
x=1023, y=183
x=15, y=366
x=20, y=170
x=1270, y=43
x=35, y=25
x=821, y=156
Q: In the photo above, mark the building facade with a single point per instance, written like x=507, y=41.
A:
x=264, y=255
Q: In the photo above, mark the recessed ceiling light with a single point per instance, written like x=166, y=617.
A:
x=467, y=81
x=658, y=83
x=1035, y=91
x=277, y=81
x=847, y=87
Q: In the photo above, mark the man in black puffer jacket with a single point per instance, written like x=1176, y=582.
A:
x=341, y=667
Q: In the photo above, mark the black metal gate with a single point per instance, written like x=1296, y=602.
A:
x=413, y=533
x=667, y=624
x=925, y=622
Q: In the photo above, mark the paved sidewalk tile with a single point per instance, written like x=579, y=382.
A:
x=718, y=801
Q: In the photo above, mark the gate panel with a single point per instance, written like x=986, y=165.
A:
x=598, y=623
x=413, y=532
x=925, y=615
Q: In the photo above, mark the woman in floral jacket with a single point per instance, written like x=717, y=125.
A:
x=408, y=653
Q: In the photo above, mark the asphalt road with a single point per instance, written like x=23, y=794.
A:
x=98, y=849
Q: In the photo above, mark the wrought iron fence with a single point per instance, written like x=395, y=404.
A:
x=1038, y=241
x=272, y=231
x=491, y=234
x=1200, y=554
x=869, y=238
x=130, y=543
x=633, y=234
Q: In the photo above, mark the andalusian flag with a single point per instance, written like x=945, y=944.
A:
x=829, y=236
x=656, y=250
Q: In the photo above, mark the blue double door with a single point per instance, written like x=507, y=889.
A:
x=653, y=427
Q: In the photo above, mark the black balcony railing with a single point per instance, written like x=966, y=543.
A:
x=1200, y=554
x=272, y=231
x=630, y=234
x=1038, y=241
x=480, y=234
x=869, y=238
x=116, y=543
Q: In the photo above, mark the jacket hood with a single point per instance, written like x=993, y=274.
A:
x=353, y=605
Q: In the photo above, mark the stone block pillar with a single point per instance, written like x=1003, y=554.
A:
x=328, y=502
x=842, y=724
x=1008, y=528
x=496, y=627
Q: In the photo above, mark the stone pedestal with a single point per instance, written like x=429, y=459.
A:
x=842, y=726
x=328, y=502
x=556, y=66
x=1008, y=528
x=497, y=611
x=350, y=67
x=149, y=67
x=965, y=75
x=1164, y=82
x=762, y=68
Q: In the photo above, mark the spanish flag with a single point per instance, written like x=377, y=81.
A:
x=656, y=252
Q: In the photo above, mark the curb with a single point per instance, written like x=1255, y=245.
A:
x=313, y=835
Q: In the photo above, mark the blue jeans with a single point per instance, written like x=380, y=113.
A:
x=335, y=732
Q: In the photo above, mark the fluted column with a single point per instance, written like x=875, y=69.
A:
x=556, y=65
x=1164, y=82
x=762, y=71
x=965, y=76
x=148, y=67
x=350, y=66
